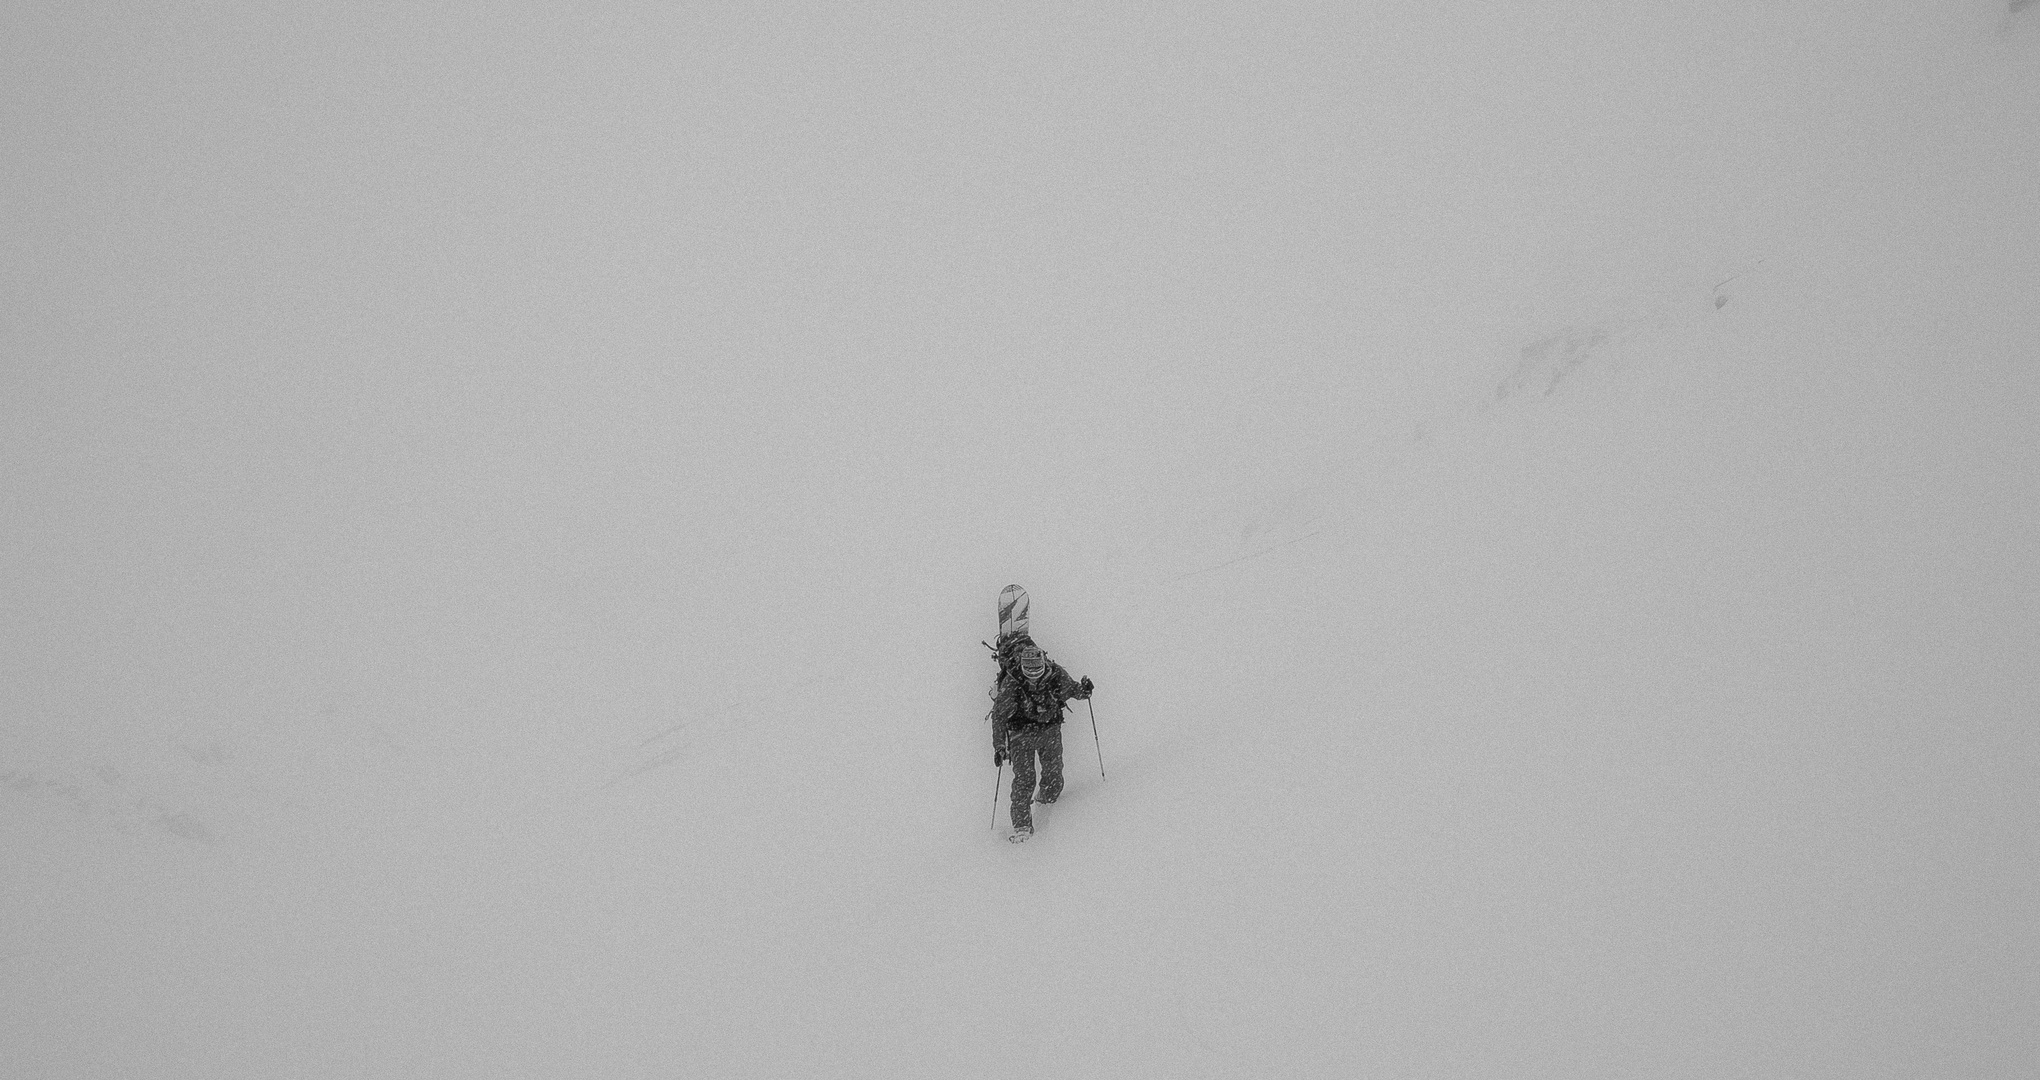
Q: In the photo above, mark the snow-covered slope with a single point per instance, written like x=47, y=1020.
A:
x=1562, y=591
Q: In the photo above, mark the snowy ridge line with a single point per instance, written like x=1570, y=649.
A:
x=718, y=720
x=1545, y=364
x=127, y=807
x=1542, y=367
x=1250, y=555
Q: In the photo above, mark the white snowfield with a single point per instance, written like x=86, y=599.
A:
x=498, y=511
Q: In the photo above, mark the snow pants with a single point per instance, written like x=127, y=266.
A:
x=1023, y=742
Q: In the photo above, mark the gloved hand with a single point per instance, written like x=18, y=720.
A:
x=1087, y=686
x=998, y=758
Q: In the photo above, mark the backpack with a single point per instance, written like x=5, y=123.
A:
x=1007, y=654
x=1037, y=703
x=1033, y=704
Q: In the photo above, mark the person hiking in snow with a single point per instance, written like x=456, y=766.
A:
x=1027, y=721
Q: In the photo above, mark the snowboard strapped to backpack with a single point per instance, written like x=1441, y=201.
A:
x=1034, y=702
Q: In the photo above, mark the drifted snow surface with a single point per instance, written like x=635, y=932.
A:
x=1634, y=678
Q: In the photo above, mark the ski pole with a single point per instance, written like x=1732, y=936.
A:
x=997, y=777
x=1094, y=738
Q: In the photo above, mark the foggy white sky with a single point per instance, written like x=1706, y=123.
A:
x=488, y=384
x=323, y=298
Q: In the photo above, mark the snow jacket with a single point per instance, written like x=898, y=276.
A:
x=1031, y=706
